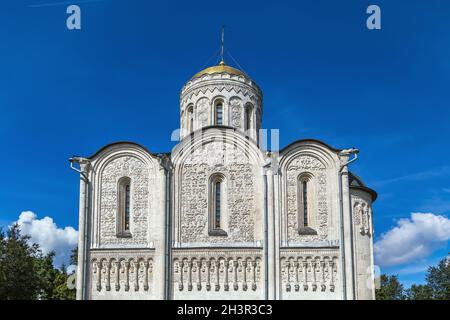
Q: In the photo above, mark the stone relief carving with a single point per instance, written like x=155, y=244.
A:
x=202, y=112
x=139, y=173
x=217, y=157
x=236, y=112
x=303, y=271
x=362, y=215
x=217, y=271
x=312, y=165
x=121, y=273
x=220, y=87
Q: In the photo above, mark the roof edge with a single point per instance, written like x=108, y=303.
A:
x=310, y=140
x=370, y=191
x=95, y=154
x=362, y=186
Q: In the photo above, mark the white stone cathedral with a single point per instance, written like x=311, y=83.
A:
x=218, y=217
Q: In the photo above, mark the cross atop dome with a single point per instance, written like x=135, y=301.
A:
x=222, y=62
x=221, y=67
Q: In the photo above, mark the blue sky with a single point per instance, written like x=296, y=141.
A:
x=323, y=73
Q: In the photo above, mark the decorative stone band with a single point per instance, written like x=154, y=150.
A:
x=217, y=270
x=309, y=270
x=120, y=270
x=225, y=245
x=220, y=89
x=312, y=244
x=194, y=86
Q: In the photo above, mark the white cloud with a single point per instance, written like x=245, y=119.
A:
x=46, y=233
x=412, y=239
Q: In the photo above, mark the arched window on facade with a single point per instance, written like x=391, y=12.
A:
x=305, y=195
x=190, y=119
x=217, y=205
x=124, y=206
x=217, y=195
x=218, y=113
x=248, y=117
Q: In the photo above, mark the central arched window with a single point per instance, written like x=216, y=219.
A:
x=218, y=113
x=305, y=195
x=217, y=205
x=305, y=202
x=124, y=207
x=217, y=195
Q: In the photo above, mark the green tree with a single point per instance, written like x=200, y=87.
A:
x=419, y=292
x=390, y=288
x=46, y=274
x=26, y=273
x=19, y=279
x=438, y=279
x=61, y=290
x=53, y=282
x=74, y=256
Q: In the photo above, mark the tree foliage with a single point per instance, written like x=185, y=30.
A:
x=419, y=292
x=61, y=290
x=436, y=287
x=390, y=288
x=74, y=256
x=16, y=255
x=438, y=279
x=26, y=273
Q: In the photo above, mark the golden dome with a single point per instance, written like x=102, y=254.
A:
x=220, y=68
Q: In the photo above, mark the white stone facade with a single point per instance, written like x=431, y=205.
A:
x=218, y=218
